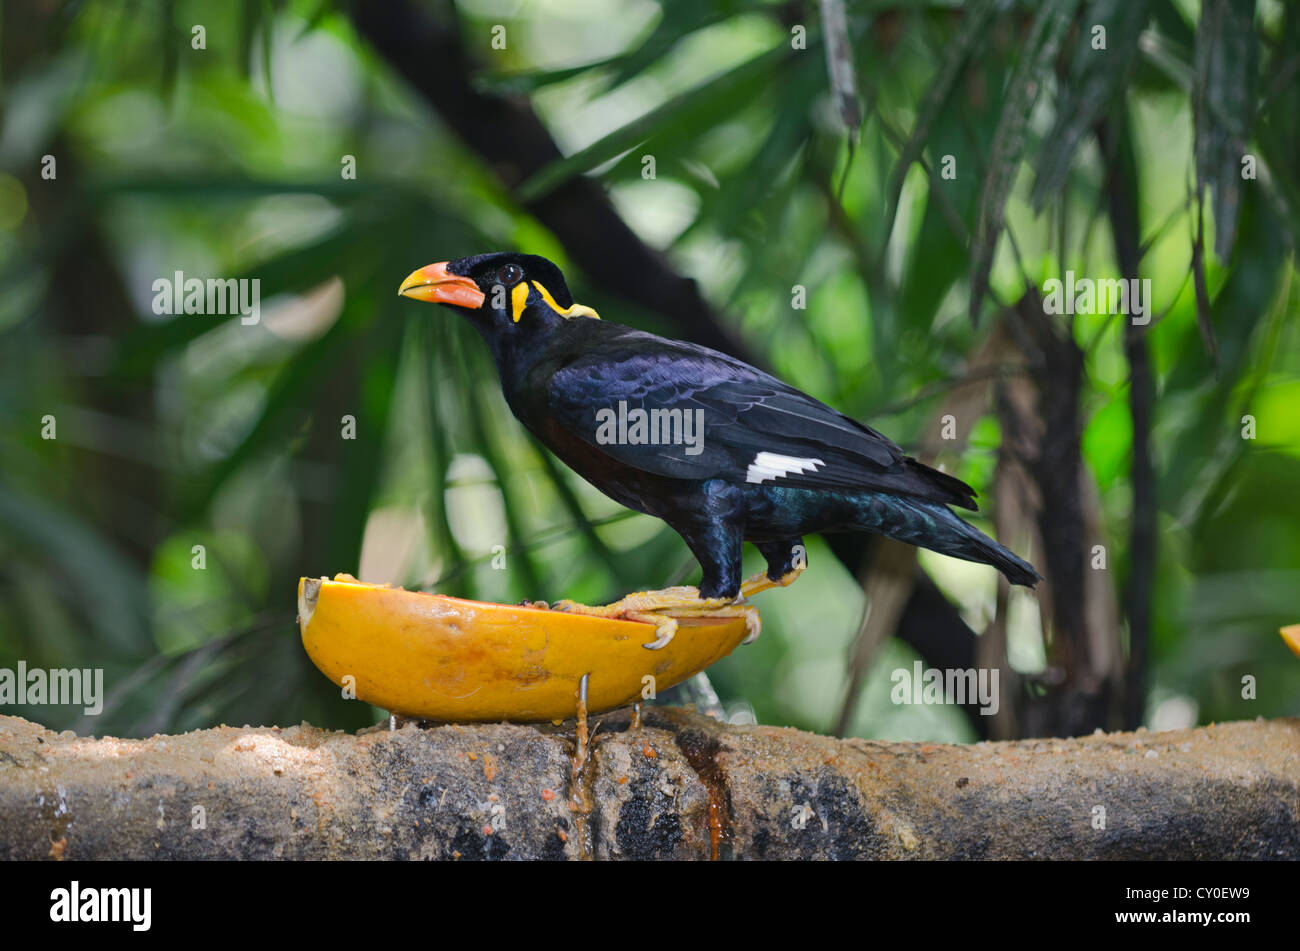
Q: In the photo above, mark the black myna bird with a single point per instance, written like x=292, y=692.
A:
x=719, y=450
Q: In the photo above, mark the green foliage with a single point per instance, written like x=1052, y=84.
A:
x=177, y=431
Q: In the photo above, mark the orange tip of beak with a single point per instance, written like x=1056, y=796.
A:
x=437, y=285
x=1291, y=635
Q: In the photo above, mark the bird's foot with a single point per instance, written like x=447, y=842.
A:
x=665, y=627
x=753, y=624
x=679, y=596
x=662, y=608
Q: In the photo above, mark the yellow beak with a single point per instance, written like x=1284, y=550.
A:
x=434, y=283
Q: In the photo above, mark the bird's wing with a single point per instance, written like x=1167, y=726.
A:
x=756, y=429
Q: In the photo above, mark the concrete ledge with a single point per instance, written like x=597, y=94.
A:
x=679, y=786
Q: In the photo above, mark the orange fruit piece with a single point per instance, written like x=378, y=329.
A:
x=444, y=658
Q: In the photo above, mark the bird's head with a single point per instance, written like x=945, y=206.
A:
x=501, y=293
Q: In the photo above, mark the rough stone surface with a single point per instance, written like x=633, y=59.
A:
x=679, y=786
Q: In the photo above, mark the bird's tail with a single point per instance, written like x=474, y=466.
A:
x=933, y=525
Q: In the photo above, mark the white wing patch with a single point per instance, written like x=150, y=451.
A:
x=773, y=465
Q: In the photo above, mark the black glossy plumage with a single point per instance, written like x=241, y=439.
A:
x=772, y=464
x=747, y=412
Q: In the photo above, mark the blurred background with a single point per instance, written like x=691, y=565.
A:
x=874, y=226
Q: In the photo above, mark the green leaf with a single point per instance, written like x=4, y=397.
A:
x=1202, y=450
x=1223, y=104
x=171, y=40
x=362, y=457
x=972, y=30
x=96, y=579
x=706, y=104
x=527, y=82
x=249, y=15
x=302, y=375
x=267, y=31
x=754, y=182
x=1096, y=78
x=479, y=426
x=962, y=121
x=293, y=270
x=678, y=20
x=1026, y=85
x=433, y=333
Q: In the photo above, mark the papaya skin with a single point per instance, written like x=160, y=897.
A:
x=441, y=658
x=1291, y=635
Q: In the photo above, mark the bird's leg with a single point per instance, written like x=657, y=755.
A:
x=786, y=560
x=761, y=582
x=716, y=545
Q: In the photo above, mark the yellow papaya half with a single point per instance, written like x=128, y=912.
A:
x=444, y=658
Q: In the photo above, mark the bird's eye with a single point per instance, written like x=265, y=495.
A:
x=510, y=274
